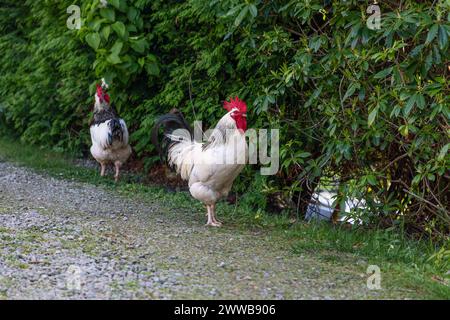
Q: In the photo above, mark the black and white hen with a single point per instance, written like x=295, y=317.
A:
x=109, y=133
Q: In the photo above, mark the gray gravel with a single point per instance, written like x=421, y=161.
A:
x=68, y=240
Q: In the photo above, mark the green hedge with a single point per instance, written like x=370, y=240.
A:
x=367, y=108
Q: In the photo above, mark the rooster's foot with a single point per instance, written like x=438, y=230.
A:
x=216, y=224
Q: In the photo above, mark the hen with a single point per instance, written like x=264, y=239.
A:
x=109, y=134
x=210, y=167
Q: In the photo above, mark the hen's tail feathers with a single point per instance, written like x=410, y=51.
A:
x=169, y=123
x=116, y=131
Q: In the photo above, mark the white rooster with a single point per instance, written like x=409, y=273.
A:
x=109, y=134
x=210, y=167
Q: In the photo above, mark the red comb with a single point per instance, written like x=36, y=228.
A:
x=99, y=91
x=102, y=96
x=236, y=103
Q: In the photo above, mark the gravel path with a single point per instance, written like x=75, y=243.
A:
x=68, y=240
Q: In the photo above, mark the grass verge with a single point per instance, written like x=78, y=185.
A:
x=420, y=266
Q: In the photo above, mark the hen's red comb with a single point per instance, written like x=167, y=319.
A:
x=102, y=96
x=235, y=103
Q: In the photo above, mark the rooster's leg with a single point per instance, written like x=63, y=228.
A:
x=211, y=220
x=208, y=214
x=213, y=211
x=117, y=164
x=102, y=170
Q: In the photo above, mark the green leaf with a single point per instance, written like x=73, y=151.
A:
x=443, y=37
x=443, y=152
x=106, y=31
x=371, y=179
x=93, y=40
x=383, y=73
x=97, y=24
x=372, y=115
x=395, y=111
x=132, y=14
x=432, y=33
x=420, y=101
x=417, y=50
x=253, y=10
x=303, y=154
x=233, y=10
x=241, y=16
x=108, y=13
x=131, y=28
x=409, y=105
x=152, y=58
x=123, y=7
x=113, y=59
x=416, y=180
x=404, y=130
x=115, y=3
x=315, y=43
x=152, y=68
x=139, y=45
x=119, y=28
x=117, y=47
x=351, y=90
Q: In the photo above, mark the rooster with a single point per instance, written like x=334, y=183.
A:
x=210, y=167
x=109, y=133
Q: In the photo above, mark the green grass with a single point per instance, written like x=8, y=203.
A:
x=419, y=265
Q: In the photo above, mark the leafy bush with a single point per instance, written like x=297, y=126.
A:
x=367, y=108
x=45, y=70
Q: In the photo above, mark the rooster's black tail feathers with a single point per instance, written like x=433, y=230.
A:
x=169, y=123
